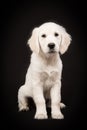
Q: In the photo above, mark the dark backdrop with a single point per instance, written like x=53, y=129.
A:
x=17, y=21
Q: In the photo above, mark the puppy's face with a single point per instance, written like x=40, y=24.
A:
x=50, y=38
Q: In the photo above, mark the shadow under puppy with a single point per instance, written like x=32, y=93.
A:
x=43, y=78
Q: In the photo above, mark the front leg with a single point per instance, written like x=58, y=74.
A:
x=40, y=102
x=55, y=101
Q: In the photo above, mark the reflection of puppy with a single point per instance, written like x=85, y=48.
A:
x=43, y=78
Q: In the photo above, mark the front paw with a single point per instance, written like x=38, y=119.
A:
x=41, y=116
x=58, y=115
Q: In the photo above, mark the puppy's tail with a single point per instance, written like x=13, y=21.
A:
x=62, y=105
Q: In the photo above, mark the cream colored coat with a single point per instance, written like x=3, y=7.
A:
x=43, y=78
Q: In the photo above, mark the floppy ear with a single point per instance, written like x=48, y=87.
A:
x=65, y=41
x=33, y=41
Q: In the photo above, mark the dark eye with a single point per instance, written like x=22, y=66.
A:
x=56, y=34
x=43, y=35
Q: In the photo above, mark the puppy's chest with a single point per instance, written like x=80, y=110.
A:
x=48, y=78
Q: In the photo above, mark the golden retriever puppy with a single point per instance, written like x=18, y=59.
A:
x=43, y=78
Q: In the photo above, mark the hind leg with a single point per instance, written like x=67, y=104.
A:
x=22, y=98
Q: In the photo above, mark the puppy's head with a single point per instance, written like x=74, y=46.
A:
x=50, y=38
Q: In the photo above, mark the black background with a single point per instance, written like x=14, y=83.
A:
x=17, y=21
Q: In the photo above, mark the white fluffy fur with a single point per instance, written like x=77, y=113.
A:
x=43, y=78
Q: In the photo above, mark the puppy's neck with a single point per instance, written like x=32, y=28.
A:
x=50, y=59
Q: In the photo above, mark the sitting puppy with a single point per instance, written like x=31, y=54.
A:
x=43, y=78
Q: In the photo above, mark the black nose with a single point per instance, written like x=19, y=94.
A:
x=51, y=45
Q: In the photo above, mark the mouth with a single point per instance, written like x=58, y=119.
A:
x=52, y=51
